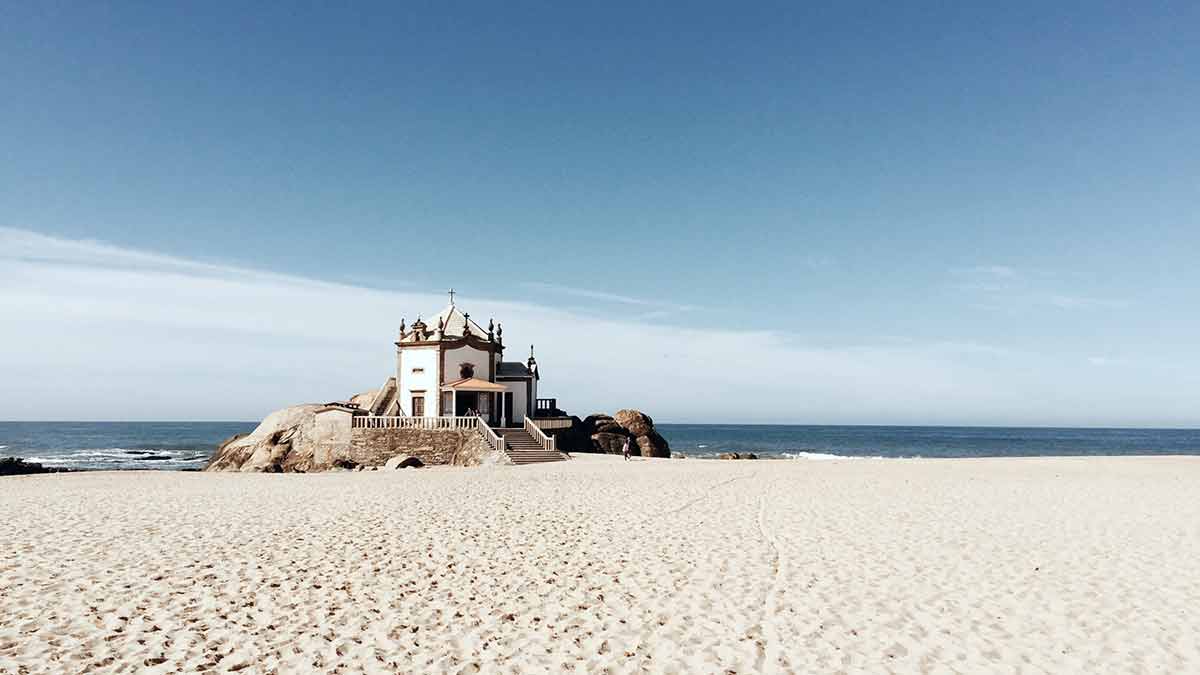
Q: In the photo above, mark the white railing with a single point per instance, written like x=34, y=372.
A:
x=382, y=422
x=547, y=442
x=494, y=440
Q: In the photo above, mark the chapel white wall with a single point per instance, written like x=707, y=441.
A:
x=425, y=358
x=520, y=400
x=466, y=354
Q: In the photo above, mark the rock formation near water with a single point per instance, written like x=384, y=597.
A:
x=16, y=466
x=280, y=443
x=291, y=441
x=295, y=440
x=606, y=434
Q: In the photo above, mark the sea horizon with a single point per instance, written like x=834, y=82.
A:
x=164, y=445
x=704, y=424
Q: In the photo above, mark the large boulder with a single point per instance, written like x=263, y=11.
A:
x=593, y=422
x=607, y=434
x=610, y=427
x=269, y=448
x=310, y=437
x=576, y=438
x=609, y=443
x=653, y=445
x=635, y=422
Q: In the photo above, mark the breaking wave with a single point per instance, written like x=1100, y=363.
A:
x=119, y=458
x=826, y=456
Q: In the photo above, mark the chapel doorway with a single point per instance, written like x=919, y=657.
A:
x=508, y=409
x=465, y=401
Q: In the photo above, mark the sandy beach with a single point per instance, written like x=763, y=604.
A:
x=597, y=565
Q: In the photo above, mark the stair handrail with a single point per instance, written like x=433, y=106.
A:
x=494, y=440
x=548, y=443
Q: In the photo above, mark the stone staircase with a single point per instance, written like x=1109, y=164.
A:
x=521, y=448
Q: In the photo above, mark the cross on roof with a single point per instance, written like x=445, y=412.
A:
x=451, y=297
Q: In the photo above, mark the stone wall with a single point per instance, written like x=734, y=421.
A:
x=312, y=437
x=461, y=447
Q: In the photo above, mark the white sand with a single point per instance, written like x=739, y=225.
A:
x=1036, y=565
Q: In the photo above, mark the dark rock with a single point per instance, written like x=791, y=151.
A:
x=678, y=455
x=15, y=466
x=653, y=444
x=729, y=455
x=609, y=443
x=610, y=427
x=592, y=422
x=574, y=439
x=606, y=434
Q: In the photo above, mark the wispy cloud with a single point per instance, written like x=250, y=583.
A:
x=1006, y=287
x=95, y=331
x=988, y=271
x=1063, y=301
x=603, y=296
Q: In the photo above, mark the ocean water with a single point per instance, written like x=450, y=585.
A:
x=834, y=442
x=188, y=445
x=117, y=445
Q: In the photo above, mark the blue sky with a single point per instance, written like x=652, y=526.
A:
x=971, y=214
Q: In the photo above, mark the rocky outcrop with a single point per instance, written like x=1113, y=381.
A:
x=737, y=455
x=269, y=448
x=308, y=438
x=606, y=434
x=653, y=445
x=640, y=427
x=311, y=437
x=15, y=466
x=635, y=422
x=610, y=443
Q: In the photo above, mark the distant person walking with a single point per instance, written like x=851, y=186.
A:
x=625, y=449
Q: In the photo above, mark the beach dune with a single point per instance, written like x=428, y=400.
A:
x=598, y=565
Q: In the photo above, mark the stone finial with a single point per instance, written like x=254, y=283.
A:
x=491, y=329
x=401, y=329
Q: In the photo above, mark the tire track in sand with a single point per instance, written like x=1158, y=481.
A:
x=707, y=493
x=767, y=641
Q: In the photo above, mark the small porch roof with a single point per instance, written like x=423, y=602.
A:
x=473, y=384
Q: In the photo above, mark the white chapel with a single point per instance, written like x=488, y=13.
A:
x=449, y=365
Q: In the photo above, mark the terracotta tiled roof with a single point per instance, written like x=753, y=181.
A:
x=473, y=384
